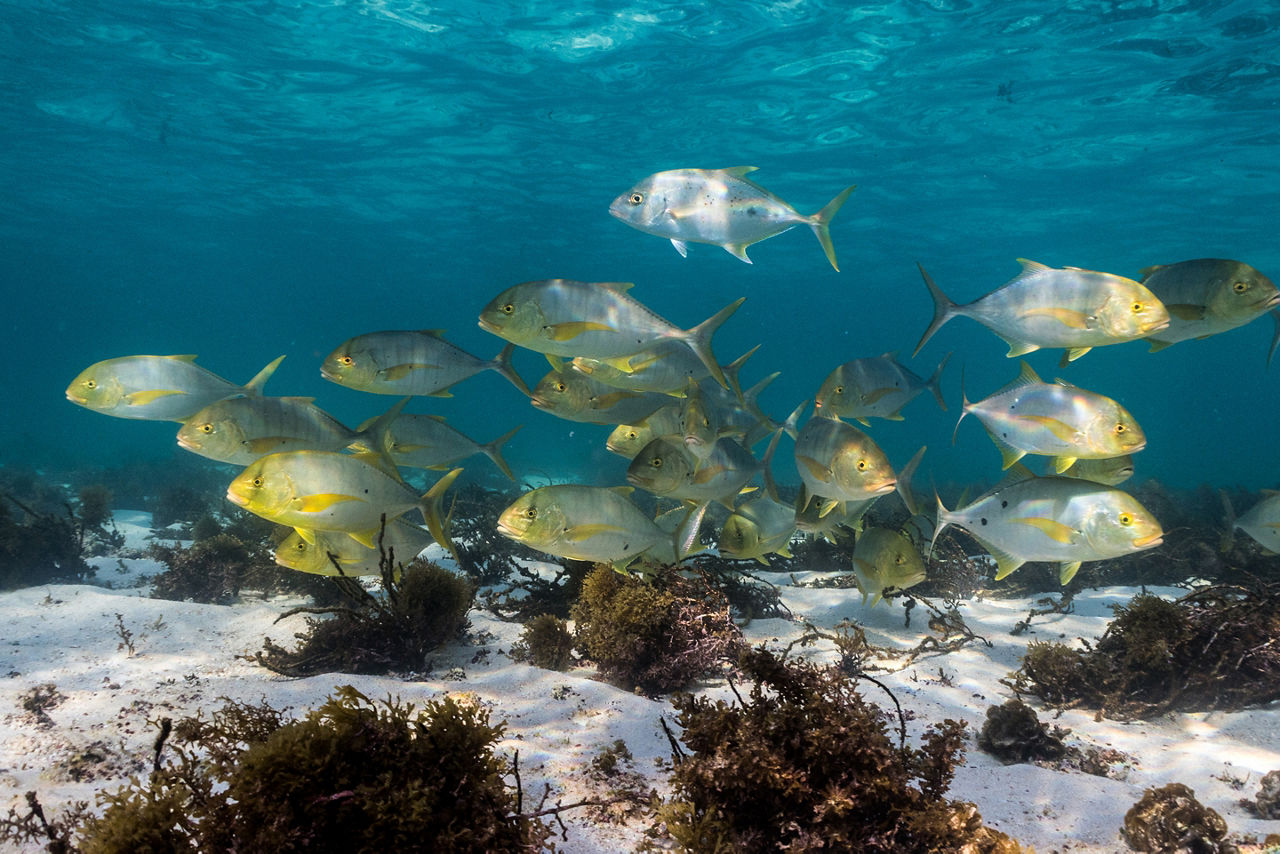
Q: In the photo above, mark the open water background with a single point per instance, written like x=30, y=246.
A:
x=241, y=180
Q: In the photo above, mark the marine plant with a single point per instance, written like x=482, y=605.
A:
x=215, y=570
x=353, y=775
x=656, y=636
x=39, y=546
x=803, y=762
x=421, y=607
x=1214, y=648
x=1169, y=818
x=178, y=503
x=1013, y=733
x=545, y=642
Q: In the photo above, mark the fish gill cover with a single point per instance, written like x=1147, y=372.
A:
x=240, y=181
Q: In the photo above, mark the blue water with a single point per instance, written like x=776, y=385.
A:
x=241, y=180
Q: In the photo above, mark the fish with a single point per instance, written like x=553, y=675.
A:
x=627, y=439
x=596, y=320
x=576, y=397
x=757, y=528
x=239, y=430
x=1112, y=471
x=813, y=523
x=666, y=467
x=410, y=362
x=877, y=387
x=1070, y=308
x=1261, y=521
x=597, y=524
x=666, y=367
x=1063, y=520
x=1207, y=296
x=700, y=425
x=157, y=388
x=402, y=541
x=885, y=559
x=429, y=442
x=838, y=463
x=718, y=206
x=1056, y=420
x=327, y=491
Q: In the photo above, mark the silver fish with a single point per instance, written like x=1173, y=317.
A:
x=1207, y=296
x=410, y=362
x=757, y=528
x=876, y=387
x=429, y=442
x=239, y=430
x=884, y=559
x=157, y=388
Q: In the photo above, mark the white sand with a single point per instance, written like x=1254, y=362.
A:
x=184, y=660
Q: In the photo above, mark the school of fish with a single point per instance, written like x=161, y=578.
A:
x=691, y=431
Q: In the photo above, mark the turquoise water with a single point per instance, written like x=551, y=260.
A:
x=242, y=180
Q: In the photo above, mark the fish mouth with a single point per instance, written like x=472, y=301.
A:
x=329, y=375
x=507, y=531
x=77, y=399
x=884, y=487
x=488, y=326
x=540, y=402
x=1156, y=326
x=1148, y=542
x=1273, y=301
x=236, y=498
x=184, y=442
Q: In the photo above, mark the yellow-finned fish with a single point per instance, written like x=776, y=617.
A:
x=428, y=442
x=718, y=206
x=876, y=387
x=410, y=362
x=402, y=542
x=757, y=528
x=577, y=397
x=1261, y=522
x=884, y=559
x=666, y=467
x=327, y=491
x=157, y=388
x=1048, y=307
x=838, y=463
x=595, y=523
x=1056, y=420
x=1063, y=520
x=1207, y=296
x=239, y=430
x=595, y=320
x=1111, y=471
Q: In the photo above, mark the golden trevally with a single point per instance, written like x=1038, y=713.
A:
x=1063, y=520
x=718, y=206
x=1207, y=296
x=428, y=442
x=1056, y=420
x=327, y=491
x=885, y=559
x=1048, y=307
x=402, y=542
x=595, y=320
x=1261, y=521
x=877, y=387
x=577, y=397
x=666, y=467
x=839, y=463
x=758, y=527
x=594, y=523
x=413, y=362
x=156, y=388
x=1112, y=471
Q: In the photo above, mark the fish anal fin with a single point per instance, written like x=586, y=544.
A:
x=1067, y=571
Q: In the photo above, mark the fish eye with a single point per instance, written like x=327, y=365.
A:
x=346, y=360
x=862, y=465
x=1120, y=428
x=636, y=198
x=531, y=513
x=632, y=434
x=1137, y=307
x=1126, y=519
x=839, y=389
x=257, y=482
x=1240, y=287
x=508, y=308
x=561, y=386
x=206, y=429
x=656, y=462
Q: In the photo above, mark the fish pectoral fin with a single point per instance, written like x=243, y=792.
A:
x=1184, y=311
x=571, y=329
x=874, y=395
x=142, y=398
x=1067, y=571
x=399, y=372
x=578, y=533
x=1066, y=316
x=1051, y=528
x=737, y=250
x=681, y=247
x=708, y=473
x=1061, y=464
x=320, y=501
x=265, y=444
x=817, y=469
x=1076, y=352
x=308, y=536
x=1059, y=428
x=608, y=401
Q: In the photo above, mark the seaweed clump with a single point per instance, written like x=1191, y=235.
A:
x=423, y=606
x=353, y=775
x=1171, y=819
x=545, y=642
x=215, y=569
x=653, y=637
x=40, y=546
x=1013, y=733
x=1215, y=648
x=805, y=763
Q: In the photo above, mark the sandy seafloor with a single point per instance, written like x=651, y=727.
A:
x=185, y=659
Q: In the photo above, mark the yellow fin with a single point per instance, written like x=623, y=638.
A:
x=1076, y=352
x=1067, y=571
x=368, y=539
x=1056, y=426
x=142, y=398
x=1051, y=528
x=707, y=473
x=321, y=501
x=399, y=372
x=264, y=444
x=1061, y=464
x=308, y=536
x=572, y=329
x=1065, y=316
x=612, y=399
x=578, y=533
x=815, y=468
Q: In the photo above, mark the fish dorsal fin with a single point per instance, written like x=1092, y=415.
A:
x=188, y=357
x=1064, y=383
x=739, y=171
x=434, y=333
x=618, y=287
x=299, y=400
x=1032, y=268
x=892, y=354
x=624, y=491
x=1145, y=272
x=1026, y=376
x=1017, y=473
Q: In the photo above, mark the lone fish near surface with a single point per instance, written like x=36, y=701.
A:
x=718, y=206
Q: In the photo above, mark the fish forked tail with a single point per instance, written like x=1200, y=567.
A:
x=253, y=387
x=965, y=404
x=904, y=478
x=943, y=309
x=432, y=507
x=1229, y=535
x=493, y=451
x=941, y=522
x=502, y=364
x=821, y=223
x=699, y=339
x=934, y=383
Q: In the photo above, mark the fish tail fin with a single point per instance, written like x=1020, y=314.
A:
x=943, y=520
x=502, y=364
x=904, y=481
x=493, y=451
x=1229, y=535
x=734, y=368
x=943, y=309
x=699, y=339
x=253, y=387
x=821, y=223
x=432, y=507
x=965, y=405
x=766, y=461
x=934, y=383
x=791, y=425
